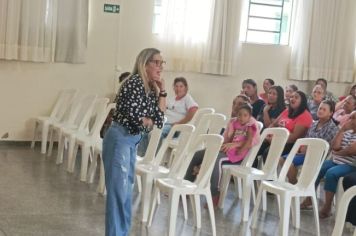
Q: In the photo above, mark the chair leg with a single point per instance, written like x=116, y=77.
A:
x=72, y=154
x=84, y=164
x=224, y=187
x=60, y=151
x=34, y=134
x=101, y=185
x=195, y=201
x=316, y=214
x=51, y=135
x=246, y=193
x=139, y=184
x=255, y=209
x=296, y=212
x=174, y=201
x=153, y=206
x=238, y=184
x=184, y=202
x=146, y=195
x=92, y=168
x=284, y=217
x=211, y=212
x=44, y=137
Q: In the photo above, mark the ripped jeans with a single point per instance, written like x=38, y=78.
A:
x=119, y=156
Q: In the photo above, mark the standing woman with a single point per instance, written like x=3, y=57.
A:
x=141, y=102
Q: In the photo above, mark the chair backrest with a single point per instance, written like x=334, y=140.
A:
x=212, y=142
x=279, y=139
x=208, y=124
x=341, y=213
x=155, y=137
x=101, y=111
x=185, y=131
x=85, y=111
x=198, y=115
x=62, y=104
x=317, y=150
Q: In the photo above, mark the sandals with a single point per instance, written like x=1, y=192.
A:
x=324, y=215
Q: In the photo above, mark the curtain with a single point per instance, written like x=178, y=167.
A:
x=29, y=30
x=26, y=30
x=222, y=50
x=183, y=32
x=72, y=31
x=323, y=40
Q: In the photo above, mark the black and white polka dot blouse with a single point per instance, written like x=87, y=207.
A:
x=133, y=103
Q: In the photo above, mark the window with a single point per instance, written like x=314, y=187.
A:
x=268, y=22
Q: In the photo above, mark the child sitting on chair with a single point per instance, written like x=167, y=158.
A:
x=241, y=134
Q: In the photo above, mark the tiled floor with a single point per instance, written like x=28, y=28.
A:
x=39, y=197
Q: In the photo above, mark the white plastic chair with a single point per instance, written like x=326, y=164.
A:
x=98, y=151
x=249, y=174
x=199, y=113
x=153, y=169
x=150, y=152
x=87, y=142
x=80, y=112
x=176, y=186
x=208, y=124
x=317, y=150
x=341, y=214
x=63, y=102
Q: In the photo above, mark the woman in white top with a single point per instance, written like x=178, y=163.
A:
x=180, y=110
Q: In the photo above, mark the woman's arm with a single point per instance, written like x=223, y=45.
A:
x=274, y=123
x=266, y=118
x=247, y=143
x=298, y=132
x=162, y=103
x=188, y=116
x=348, y=151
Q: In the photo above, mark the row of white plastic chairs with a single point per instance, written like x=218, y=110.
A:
x=317, y=150
x=76, y=121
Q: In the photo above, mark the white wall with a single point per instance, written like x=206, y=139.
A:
x=30, y=89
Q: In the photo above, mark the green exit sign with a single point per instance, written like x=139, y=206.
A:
x=111, y=8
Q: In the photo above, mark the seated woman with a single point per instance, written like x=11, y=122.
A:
x=323, y=83
x=274, y=106
x=324, y=128
x=342, y=163
x=180, y=110
x=249, y=88
x=290, y=89
x=240, y=135
x=267, y=83
x=296, y=118
x=342, y=114
x=348, y=182
x=318, y=95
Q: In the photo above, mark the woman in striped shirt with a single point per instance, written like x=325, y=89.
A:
x=342, y=163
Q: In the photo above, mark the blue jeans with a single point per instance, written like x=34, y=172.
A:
x=332, y=172
x=119, y=156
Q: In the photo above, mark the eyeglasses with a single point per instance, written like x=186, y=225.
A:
x=158, y=62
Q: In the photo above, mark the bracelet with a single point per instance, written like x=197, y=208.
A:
x=162, y=94
x=162, y=91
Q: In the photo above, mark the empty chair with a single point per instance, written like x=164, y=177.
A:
x=342, y=210
x=87, y=142
x=176, y=186
x=148, y=171
x=98, y=153
x=150, y=152
x=249, y=174
x=79, y=113
x=317, y=150
x=62, y=104
x=198, y=115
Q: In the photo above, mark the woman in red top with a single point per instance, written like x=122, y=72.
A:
x=296, y=118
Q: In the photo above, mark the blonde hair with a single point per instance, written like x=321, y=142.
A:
x=140, y=68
